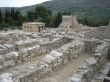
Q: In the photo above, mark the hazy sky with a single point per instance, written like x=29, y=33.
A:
x=19, y=3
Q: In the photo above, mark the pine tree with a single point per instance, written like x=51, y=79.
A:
x=43, y=14
x=85, y=21
x=16, y=16
x=1, y=17
x=6, y=16
x=12, y=13
x=30, y=16
x=57, y=20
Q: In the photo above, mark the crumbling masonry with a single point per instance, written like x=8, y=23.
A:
x=40, y=57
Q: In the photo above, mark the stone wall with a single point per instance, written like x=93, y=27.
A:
x=29, y=53
x=50, y=62
x=69, y=22
x=91, y=44
x=102, y=32
x=32, y=61
x=91, y=66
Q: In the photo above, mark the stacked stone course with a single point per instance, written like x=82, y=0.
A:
x=31, y=57
x=91, y=66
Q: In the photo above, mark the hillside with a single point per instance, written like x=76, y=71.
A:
x=81, y=8
x=58, y=5
x=67, y=5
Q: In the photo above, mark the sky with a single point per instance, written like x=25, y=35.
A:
x=19, y=3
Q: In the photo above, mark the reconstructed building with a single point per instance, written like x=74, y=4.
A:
x=33, y=26
x=69, y=21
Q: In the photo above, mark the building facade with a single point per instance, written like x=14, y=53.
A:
x=69, y=21
x=33, y=27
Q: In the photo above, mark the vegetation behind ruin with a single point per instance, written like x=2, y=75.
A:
x=89, y=12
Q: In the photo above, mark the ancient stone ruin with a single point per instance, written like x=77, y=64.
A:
x=55, y=55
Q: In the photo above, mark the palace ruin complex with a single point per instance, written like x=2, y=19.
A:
x=79, y=54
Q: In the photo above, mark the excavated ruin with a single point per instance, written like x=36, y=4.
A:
x=55, y=55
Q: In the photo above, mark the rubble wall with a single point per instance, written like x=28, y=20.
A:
x=50, y=62
x=91, y=66
x=101, y=33
x=14, y=58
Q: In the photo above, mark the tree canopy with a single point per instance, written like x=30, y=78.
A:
x=43, y=14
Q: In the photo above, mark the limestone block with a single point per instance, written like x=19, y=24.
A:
x=98, y=55
x=6, y=77
x=91, y=61
x=11, y=55
x=26, y=43
x=2, y=59
x=11, y=47
x=1, y=67
x=103, y=49
x=44, y=69
x=90, y=45
x=3, y=47
x=3, y=51
x=58, y=58
x=8, y=63
x=60, y=61
x=84, y=66
x=76, y=78
x=65, y=60
x=86, y=74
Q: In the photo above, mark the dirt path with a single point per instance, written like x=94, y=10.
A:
x=67, y=70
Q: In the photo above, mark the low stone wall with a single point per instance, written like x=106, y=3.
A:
x=101, y=33
x=25, y=43
x=26, y=54
x=50, y=62
x=91, y=66
x=6, y=48
x=56, y=59
x=90, y=45
x=103, y=75
x=37, y=70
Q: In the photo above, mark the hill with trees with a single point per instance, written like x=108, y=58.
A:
x=90, y=12
x=13, y=17
x=61, y=5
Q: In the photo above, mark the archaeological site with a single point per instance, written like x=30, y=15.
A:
x=70, y=53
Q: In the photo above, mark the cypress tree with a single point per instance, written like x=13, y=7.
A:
x=30, y=16
x=57, y=20
x=6, y=16
x=1, y=16
x=16, y=16
x=12, y=13
x=85, y=21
